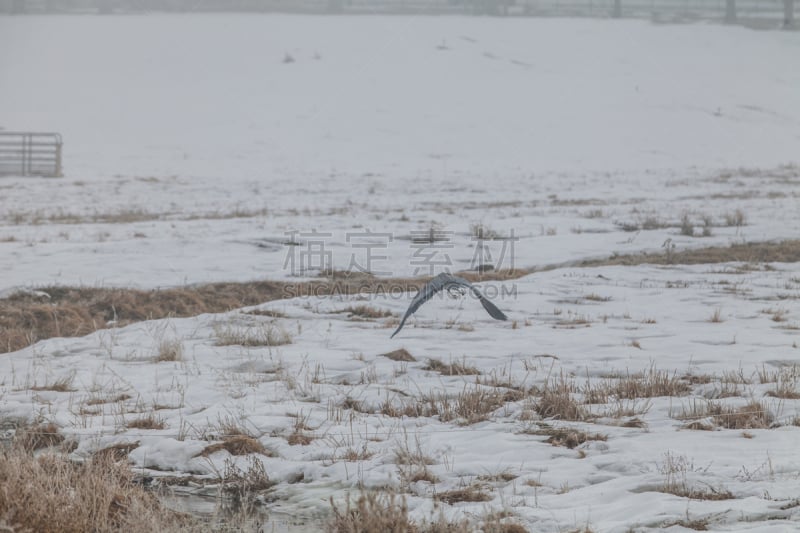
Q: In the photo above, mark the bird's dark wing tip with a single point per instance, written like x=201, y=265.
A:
x=492, y=309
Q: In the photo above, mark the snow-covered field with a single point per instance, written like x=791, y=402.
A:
x=193, y=152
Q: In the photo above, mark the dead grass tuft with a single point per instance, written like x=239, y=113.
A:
x=32, y=438
x=472, y=493
x=505, y=476
x=266, y=312
x=412, y=464
x=49, y=494
x=556, y=401
x=652, y=383
x=697, y=524
x=169, y=350
x=367, y=311
x=298, y=437
x=593, y=297
x=454, y=368
x=634, y=422
x=60, y=385
x=251, y=336
x=384, y=512
x=245, y=486
x=400, y=354
x=115, y=452
x=787, y=380
x=103, y=399
x=236, y=445
x=753, y=415
x=151, y=421
x=676, y=469
x=482, y=232
x=503, y=527
x=473, y=404
x=697, y=379
x=568, y=437
x=735, y=218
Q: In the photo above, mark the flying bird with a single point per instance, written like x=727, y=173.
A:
x=445, y=281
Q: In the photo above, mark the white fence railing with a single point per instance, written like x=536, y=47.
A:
x=30, y=154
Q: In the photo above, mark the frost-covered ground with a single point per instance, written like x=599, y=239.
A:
x=193, y=151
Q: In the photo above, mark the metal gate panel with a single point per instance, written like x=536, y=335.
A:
x=30, y=154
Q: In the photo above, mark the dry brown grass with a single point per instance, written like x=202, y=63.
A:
x=413, y=475
x=472, y=405
x=108, y=399
x=556, y=401
x=471, y=493
x=568, y=437
x=593, y=297
x=634, y=422
x=266, y=312
x=753, y=415
x=299, y=438
x=730, y=385
x=787, y=383
x=115, y=452
x=252, y=336
x=384, y=512
x=401, y=355
x=122, y=216
x=246, y=484
x=366, y=311
x=78, y=311
x=49, y=494
x=412, y=463
x=735, y=218
x=675, y=469
x=454, y=368
x=60, y=385
x=503, y=527
x=649, y=384
x=505, y=476
x=236, y=445
x=696, y=524
x=169, y=350
x=756, y=252
x=483, y=232
x=35, y=437
x=149, y=421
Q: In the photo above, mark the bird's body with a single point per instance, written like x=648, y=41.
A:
x=445, y=281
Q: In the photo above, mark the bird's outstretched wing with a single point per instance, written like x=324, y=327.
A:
x=444, y=281
x=426, y=293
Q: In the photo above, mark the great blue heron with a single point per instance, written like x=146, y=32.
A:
x=450, y=283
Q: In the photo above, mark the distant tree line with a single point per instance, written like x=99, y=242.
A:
x=477, y=7
x=730, y=12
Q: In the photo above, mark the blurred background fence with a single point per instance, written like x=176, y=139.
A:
x=768, y=13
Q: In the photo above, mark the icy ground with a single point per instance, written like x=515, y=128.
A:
x=192, y=152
